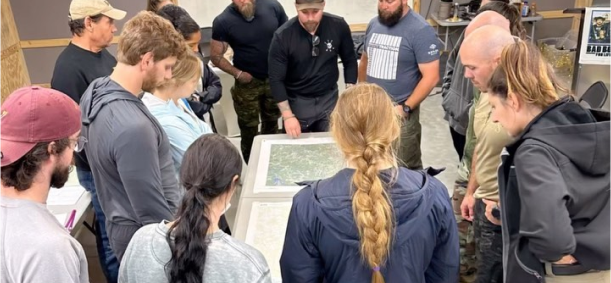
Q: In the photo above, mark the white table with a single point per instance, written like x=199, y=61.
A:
x=261, y=218
x=83, y=208
x=463, y=23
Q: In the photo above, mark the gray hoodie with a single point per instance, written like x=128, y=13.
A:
x=457, y=92
x=129, y=154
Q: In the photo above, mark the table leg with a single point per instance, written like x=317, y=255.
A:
x=446, y=42
x=532, y=32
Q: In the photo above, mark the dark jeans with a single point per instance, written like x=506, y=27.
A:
x=459, y=142
x=409, y=152
x=320, y=125
x=489, y=241
x=108, y=261
x=120, y=235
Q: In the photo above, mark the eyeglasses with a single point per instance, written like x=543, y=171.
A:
x=315, y=43
x=79, y=143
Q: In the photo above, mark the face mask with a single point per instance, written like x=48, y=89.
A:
x=226, y=208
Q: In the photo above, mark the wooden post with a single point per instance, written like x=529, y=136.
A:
x=14, y=70
x=577, y=18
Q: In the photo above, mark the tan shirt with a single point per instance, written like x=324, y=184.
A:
x=491, y=139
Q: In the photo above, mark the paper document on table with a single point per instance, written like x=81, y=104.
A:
x=266, y=230
x=65, y=196
x=282, y=163
x=61, y=218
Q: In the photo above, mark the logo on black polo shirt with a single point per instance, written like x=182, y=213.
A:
x=329, y=44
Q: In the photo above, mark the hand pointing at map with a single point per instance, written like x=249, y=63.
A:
x=292, y=127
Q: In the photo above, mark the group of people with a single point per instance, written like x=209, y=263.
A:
x=533, y=187
x=531, y=205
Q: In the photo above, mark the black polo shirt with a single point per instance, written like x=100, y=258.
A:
x=293, y=71
x=74, y=70
x=250, y=40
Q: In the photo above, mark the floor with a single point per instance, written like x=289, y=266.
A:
x=437, y=151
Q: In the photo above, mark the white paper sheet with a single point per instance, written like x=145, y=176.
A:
x=596, y=46
x=266, y=230
x=294, y=160
x=65, y=196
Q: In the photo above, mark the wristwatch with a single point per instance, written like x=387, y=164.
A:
x=407, y=109
x=496, y=212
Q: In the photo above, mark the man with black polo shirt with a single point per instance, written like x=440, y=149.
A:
x=303, y=69
x=248, y=27
x=92, y=23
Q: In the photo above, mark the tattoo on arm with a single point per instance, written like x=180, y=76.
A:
x=217, y=52
x=285, y=107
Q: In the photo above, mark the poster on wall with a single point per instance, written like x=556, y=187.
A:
x=596, y=40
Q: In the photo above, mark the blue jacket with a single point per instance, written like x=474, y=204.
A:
x=322, y=240
x=182, y=128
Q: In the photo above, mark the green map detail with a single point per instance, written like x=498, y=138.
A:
x=304, y=162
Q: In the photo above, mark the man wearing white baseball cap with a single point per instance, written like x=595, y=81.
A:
x=80, y=9
x=92, y=23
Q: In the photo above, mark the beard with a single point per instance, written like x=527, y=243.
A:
x=310, y=26
x=390, y=19
x=60, y=176
x=150, y=81
x=248, y=10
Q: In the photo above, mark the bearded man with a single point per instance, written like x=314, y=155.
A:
x=303, y=69
x=402, y=56
x=248, y=27
x=127, y=149
x=40, y=132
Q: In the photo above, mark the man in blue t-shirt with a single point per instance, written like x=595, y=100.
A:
x=402, y=56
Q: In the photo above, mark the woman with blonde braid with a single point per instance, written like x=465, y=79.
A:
x=373, y=221
x=554, y=178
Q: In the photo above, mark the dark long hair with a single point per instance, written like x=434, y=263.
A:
x=510, y=12
x=207, y=171
x=180, y=19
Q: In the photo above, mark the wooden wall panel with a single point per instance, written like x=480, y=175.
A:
x=14, y=71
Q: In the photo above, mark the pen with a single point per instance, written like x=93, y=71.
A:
x=70, y=221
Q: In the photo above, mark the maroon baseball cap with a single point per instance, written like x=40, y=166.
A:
x=34, y=114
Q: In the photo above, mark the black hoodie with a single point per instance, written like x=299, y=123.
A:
x=554, y=189
x=129, y=154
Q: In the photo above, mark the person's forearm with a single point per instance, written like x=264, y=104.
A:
x=472, y=186
x=285, y=109
x=222, y=63
x=362, y=71
x=362, y=76
x=422, y=90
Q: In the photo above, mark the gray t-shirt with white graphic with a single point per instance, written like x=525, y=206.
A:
x=394, y=53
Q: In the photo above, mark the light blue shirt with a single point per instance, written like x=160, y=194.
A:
x=179, y=122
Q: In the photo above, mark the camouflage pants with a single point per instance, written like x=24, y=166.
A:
x=251, y=100
x=468, y=262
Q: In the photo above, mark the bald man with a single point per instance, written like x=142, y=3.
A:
x=458, y=96
x=481, y=54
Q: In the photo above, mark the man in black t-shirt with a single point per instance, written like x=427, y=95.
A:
x=82, y=61
x=303, y=69
x=248, y=27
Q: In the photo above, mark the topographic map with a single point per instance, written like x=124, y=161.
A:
x=293, y=163
x=285, y=162
x=266, y=230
